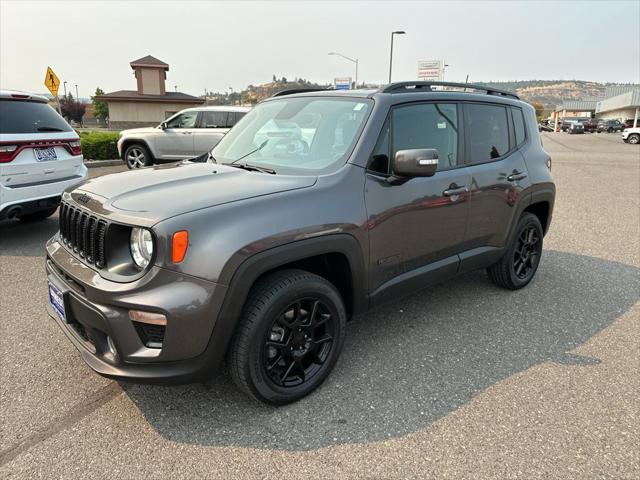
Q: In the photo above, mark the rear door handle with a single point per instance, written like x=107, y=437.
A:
x=450, y=192
x=186, y=133
x=515, y=176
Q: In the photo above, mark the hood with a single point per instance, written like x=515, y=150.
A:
x=135, y=131
x=167, y=190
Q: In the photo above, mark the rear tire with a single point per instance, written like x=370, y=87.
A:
x=633, y=139
x=37, y=216
x=519, y=263
x=137, y=155
x=289, y=338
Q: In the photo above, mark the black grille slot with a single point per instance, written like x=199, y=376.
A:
x=84, y=234
x=151, y=336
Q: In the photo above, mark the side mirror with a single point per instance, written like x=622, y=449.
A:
x=163, y=125
x=419, y=162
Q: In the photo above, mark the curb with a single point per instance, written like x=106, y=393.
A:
x=102, y=163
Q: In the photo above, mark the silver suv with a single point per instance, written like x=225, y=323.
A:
x=187, y=134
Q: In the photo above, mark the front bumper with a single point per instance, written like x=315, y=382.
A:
x=98, y=324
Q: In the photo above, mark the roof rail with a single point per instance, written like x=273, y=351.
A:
x=405, y=87
x=291, y=91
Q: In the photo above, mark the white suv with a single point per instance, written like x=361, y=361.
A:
x=631, y=135
x=40, y=157
x=187, y=134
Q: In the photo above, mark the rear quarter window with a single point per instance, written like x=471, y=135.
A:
x=518, y=123
x=17, y=116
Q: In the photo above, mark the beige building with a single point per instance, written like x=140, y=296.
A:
x=150, y=103
x=622, y=103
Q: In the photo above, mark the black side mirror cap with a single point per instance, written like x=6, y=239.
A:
x=418, y=162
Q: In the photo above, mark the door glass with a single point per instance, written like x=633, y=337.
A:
x=214, y=119
x=488, y=132
x=184, y=120
x=428, y=125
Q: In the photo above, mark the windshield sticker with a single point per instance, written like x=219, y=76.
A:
x=442, y=125
x=359, y=106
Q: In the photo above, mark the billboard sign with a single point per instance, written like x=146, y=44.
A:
x=430, y=70
x=342, y=83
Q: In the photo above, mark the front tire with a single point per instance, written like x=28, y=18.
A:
x=137, y=156
x=520, y=262
x=290, y=336
x=633, y=139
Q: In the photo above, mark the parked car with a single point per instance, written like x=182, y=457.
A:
x=575, y=127
x=186, y=134
x=628, y=123
x=590, y=125
x=631, y=135
x=609, y=126
x=40, y=156
x=314, y=208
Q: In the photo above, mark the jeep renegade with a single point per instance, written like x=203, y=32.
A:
x=314, y=208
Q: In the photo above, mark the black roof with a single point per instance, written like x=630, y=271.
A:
x=133, y=95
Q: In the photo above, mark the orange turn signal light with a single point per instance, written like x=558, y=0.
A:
x=179, y=247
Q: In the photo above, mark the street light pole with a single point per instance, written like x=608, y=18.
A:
x=64, y=84
x=444, y=66
x=354, y=60
x=77, y=97
x=397, y=32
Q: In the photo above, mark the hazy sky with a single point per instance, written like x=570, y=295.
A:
x=215, y=45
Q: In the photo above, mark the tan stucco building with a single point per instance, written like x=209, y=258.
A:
x=150, y=103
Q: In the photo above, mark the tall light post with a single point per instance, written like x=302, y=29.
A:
x=77, y=97
x=354, y=60
x=397, y=32
x=444, y=66
x=64, y=84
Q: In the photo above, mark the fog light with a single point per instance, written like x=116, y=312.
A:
x=147, y=317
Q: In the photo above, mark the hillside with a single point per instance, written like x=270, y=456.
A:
x=551, y=92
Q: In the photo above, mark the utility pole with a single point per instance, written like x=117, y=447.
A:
x=397, y=32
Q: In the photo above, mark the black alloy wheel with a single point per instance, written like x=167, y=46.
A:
x=289, y=337
x=299, y=342
x=517, y=267
x=526, y=255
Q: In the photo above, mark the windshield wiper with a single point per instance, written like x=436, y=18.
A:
x=251, y=152
x=49, y=129
x=255, y=168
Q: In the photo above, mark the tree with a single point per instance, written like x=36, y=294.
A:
x=539, y=109
x=72, y=109
x=100, y=108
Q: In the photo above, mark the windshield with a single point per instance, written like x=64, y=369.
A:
x=310, y=135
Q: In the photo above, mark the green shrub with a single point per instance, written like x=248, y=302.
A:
x=99, y=145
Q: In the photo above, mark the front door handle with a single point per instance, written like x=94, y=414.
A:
x=186, y=133
x=450, y=192
x=515, y=176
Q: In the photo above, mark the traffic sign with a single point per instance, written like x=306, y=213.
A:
x=52, y=82
x=342, y=83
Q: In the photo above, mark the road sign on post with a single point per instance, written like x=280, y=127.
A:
x=52, y=82
x=342, y=83
x=430, y=70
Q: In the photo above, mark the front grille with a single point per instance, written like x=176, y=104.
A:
x=83, y=233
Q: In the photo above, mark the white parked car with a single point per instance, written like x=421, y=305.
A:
x=186, y=134
x=631, y=135
x=40, y=156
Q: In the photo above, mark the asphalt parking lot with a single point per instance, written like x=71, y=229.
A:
x=463, y=380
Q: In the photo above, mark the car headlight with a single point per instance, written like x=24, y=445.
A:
x=141, y=245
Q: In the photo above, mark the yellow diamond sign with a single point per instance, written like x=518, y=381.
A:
x=52, y=82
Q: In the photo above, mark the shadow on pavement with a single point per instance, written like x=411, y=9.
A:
x=408, y=364
x=26, y=239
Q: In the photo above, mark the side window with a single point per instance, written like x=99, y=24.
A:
x=428, y=125
x=185, y=120
x=488, y=132
x=214, y=119
x=518, y=123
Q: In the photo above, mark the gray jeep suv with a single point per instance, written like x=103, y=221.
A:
x=314, y=208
